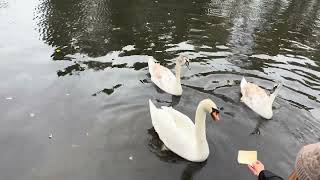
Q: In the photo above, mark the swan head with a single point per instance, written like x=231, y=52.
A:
x=209, y=106
x=183, y=60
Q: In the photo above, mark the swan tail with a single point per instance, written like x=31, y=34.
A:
x=243, y=82
x=151, y=64
x=152, y=106
x=275, y=93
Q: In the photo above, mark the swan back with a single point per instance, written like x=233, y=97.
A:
x=256, y=99
x=164, y=78
x=175, y=130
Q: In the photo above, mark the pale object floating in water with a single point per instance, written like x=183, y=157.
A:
x=247, y=157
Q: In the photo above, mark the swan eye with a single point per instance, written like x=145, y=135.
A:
x=215, y=110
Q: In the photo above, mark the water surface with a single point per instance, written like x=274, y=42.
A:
x=77, y=69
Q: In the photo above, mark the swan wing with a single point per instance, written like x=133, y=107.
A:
x=178, y=137
x=257, y=99
x=253, y=92
x=181, y=121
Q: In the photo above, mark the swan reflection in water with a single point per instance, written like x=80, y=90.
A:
x=156, y=146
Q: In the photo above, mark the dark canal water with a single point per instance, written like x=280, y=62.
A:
x=77, y=70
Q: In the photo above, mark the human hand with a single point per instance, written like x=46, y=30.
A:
x=256, y=167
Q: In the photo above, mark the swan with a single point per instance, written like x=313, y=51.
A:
x=257, y=99
x=179, y=134
x=164, y=78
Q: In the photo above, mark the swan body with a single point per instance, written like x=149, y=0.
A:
x=164, y=78
x=257, y=99
x=180, y=134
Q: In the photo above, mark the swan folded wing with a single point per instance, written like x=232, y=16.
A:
x=255, y=102
x=181, y=121
x=243, y=82
x=176, y=139
x=164, y=79
x=253, y=91
x=167, y=77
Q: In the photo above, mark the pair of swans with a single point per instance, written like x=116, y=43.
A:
x=177, y=131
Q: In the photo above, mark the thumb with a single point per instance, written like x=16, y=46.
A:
x=251, y=168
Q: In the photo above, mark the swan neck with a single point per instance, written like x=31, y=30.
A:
x=200, y=123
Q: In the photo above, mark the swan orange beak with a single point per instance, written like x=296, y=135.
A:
x=215, y=116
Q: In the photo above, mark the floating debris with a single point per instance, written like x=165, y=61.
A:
x=58, y=50
x=9, y=98
x=50, y=136
x=130, y=158
x=67, y=94
x=108, y=91
x=32, y=114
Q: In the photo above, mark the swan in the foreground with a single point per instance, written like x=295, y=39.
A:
x=257, y=99
x=179, y=134
x=164, y=78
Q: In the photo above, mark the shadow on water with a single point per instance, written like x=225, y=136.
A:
x=191, y=170
x=108, y=91
x=156, y=146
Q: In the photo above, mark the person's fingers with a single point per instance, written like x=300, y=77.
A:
x=254, y=166
x=252, y=169
x=258, y=162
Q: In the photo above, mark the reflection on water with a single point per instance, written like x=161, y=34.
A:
x=101, y=47
x=156, y=146
x=191, y=169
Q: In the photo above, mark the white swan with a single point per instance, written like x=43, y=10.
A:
x=180, y=134
x=164, y=78
x=257, y=99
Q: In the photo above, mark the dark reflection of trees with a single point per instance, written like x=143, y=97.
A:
x=97, y=27
x=297, y=22
x=100, y=26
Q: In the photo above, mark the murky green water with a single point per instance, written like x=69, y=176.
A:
x=78, y=70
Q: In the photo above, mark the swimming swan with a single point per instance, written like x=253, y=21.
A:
x=180, y=134
x=164, y=78
x=257, y=99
